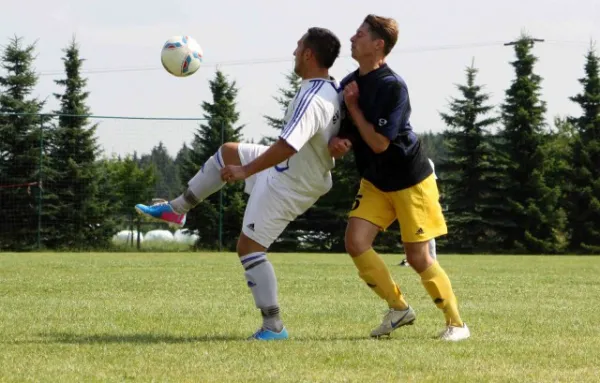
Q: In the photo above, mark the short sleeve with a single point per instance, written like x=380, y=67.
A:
x=394, y=112
x=305, y=121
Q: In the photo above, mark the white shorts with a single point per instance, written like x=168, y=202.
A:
x=270, y=209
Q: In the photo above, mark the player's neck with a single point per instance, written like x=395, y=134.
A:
x=316, y=73
x=368, y=66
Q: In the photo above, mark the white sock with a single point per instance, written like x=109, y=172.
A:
x=432, y=249
x=206, y=182
x=261, y=279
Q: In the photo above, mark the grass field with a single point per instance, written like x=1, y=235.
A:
x=184, y=317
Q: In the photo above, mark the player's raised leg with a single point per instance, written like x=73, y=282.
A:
x=206, y=182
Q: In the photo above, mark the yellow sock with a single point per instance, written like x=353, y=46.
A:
x=376, y=274
x=438, y=286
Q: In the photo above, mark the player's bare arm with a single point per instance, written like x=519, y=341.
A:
x=277, y=153
x=377, y=142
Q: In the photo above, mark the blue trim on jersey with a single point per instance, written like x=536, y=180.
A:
x=298, y=108
x=337, y=89
x=283, y=168
x=219, y=158
x=290, y=129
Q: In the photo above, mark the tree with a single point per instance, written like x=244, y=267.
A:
x=78, y=207
x=471, y=177
x=168, y=183
x=538, y=226
x=221, y=116
x=558, y=150
x=584, y=196
x=286, y=95
x=21, y=170
x=181, y=157
x=434, y=146
x=124, y=185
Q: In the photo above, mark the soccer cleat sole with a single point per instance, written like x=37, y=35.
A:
x=140, y=212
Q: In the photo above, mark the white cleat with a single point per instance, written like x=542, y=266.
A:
x=455, y=334
x=394, y=319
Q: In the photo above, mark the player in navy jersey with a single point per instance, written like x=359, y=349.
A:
x=397, y=180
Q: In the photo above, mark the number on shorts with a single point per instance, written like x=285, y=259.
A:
x=356, y=201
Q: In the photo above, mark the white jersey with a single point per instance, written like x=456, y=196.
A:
x=311, y=120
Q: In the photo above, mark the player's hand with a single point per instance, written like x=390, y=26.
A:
x=338, y=147
x=233, y=173
x=351, y=94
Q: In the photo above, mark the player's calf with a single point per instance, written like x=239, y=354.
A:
x=261, y=279
x=436, y=282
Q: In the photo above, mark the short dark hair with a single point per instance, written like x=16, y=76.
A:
x=324, y=44
x=384, y=28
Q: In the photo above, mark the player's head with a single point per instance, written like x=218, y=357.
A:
x=375, y=38
x=317, y=49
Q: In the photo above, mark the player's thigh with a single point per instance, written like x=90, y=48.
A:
x=247, y=154
x=419, y=212
x=373, y=205
x=269, y=212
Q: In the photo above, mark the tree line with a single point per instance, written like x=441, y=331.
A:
x=510, y=181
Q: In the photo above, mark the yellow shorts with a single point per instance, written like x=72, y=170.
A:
x=417, y=209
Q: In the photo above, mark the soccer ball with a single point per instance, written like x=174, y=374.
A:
x=181, y=56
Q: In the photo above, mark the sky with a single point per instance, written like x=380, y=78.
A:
x=252, y=43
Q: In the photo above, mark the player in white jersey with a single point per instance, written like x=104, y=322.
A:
x=283, y=180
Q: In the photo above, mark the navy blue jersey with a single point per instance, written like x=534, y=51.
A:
x=384, y=101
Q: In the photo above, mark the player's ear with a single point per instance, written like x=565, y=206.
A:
x=379, y=44
x=308, y=54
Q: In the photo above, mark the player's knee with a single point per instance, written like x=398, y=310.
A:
x=355, y=245
x=417, y=255
x=229, y=152
x=247, y=246
x=242, y=246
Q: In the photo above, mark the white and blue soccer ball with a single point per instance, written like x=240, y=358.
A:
x=181, y=56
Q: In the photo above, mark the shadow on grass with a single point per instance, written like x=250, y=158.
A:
x=71, y=338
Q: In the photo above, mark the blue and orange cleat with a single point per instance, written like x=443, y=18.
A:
x=162, y=211
x=264, y=334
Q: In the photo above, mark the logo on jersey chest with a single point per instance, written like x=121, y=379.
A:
x=336, y=116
